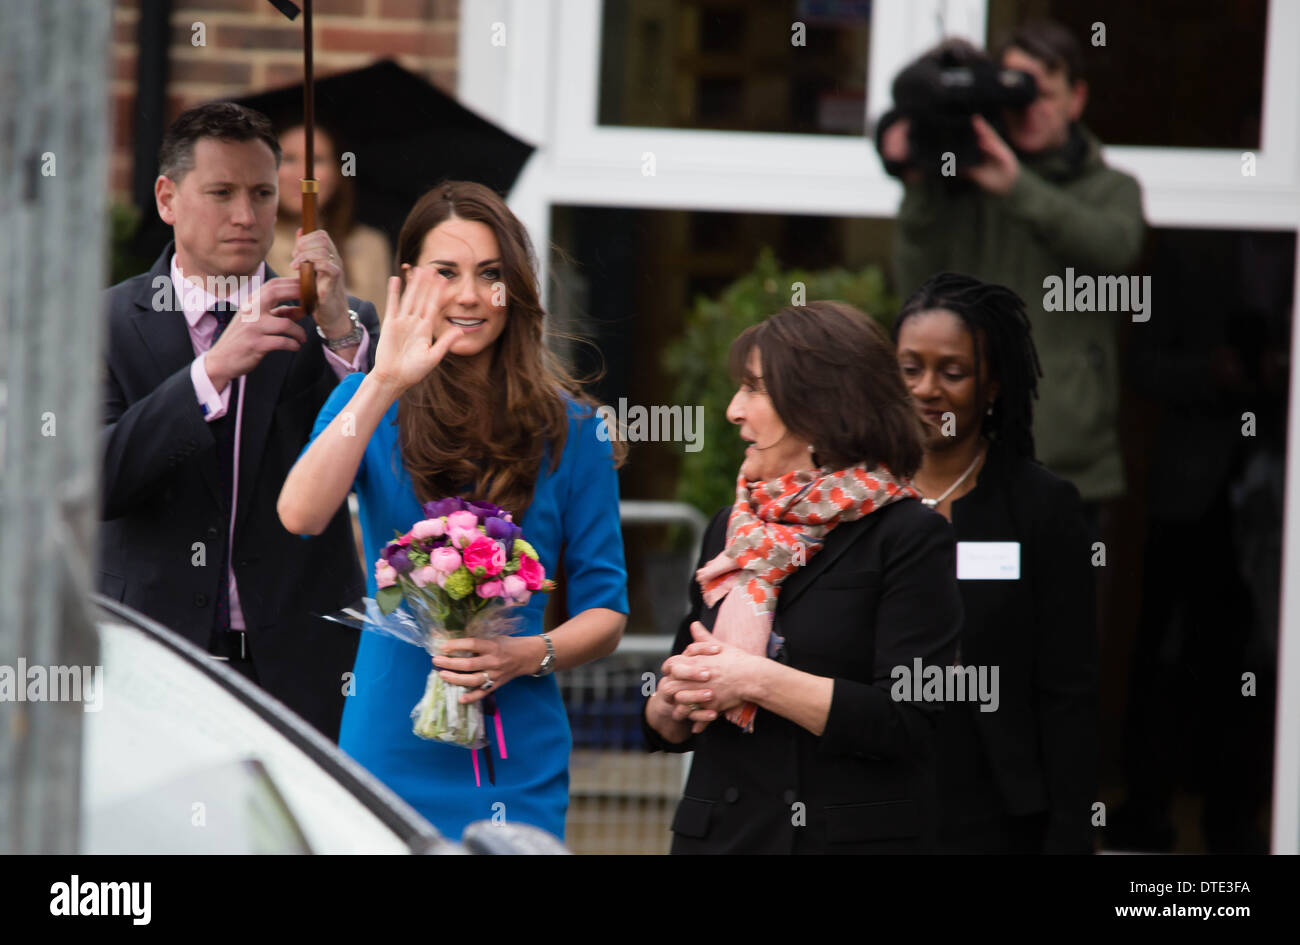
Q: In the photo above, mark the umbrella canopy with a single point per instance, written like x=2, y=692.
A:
x=406, y=134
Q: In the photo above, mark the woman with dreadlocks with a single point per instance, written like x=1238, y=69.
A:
x=1016, y=766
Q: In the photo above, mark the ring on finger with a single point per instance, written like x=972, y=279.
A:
x=487, y=682
x=694, y=707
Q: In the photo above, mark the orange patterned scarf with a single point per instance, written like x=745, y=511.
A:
x=776, y=526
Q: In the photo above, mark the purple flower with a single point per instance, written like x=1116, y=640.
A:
x=440, y=507
x=484, y=510
x=501, y=529
x=400, y=561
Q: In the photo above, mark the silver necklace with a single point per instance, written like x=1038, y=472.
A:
x=931, y=503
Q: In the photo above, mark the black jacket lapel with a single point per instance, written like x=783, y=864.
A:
x=841, y=539
x=159, y=320
x=261, y=395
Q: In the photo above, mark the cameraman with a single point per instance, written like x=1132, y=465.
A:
x=1038, y=203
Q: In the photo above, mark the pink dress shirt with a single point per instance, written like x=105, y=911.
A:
x=196, y=303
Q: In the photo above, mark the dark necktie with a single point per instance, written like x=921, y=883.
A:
x=223, y=429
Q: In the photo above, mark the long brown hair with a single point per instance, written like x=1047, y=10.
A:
x=440, y=419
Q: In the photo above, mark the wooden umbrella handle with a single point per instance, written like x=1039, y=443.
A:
x=306, y=271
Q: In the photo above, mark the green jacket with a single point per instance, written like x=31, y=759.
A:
x=1067, y=209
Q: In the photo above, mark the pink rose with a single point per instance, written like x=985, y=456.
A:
x=428, y=528
x=486, y=554
x=461, y=537
x=385, y=574
x=532, y=572
x=425, y=575
x=489, y=589
x=444, y=559
x=515, y=589
x=404, y=540
x=462, y=520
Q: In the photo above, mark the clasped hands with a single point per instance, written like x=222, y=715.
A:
x=706, y=680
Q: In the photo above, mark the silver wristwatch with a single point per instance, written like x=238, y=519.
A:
x=349, y=340
x=548, y=661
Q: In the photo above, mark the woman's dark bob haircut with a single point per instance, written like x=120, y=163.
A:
x=833, y=378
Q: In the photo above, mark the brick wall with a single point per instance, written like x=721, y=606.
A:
x=251, y=46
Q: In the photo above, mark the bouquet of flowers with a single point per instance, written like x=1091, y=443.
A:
x=458, y=571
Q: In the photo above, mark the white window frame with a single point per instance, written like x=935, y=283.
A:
x=552, y=55
x=542, y=83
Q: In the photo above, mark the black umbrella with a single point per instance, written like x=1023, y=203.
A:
x=406, y=134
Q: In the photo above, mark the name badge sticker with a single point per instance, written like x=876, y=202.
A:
x=988, y=561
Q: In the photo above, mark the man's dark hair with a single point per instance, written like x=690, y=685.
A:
x=1051, y=44
x=1000, y=329
x=225, y=121
x=834, y=381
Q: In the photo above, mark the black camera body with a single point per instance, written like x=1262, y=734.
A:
x=939, y=93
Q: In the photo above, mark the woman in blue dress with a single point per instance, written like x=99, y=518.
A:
x=465, y=399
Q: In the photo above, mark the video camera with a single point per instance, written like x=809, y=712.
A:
x=938, y=94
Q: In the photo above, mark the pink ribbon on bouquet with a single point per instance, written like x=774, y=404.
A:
x=490, y=707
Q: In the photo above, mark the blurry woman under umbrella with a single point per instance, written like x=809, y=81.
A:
x=367, y=255
x=824, y=578
x=1019, y=778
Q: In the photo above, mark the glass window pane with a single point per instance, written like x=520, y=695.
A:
x=1172, y=73
x=627, y=280
x=796, y=66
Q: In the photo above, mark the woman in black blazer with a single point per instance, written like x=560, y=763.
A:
x=1019, y=778
x=818, y=595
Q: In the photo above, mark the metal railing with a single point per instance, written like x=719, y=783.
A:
x=622, y=798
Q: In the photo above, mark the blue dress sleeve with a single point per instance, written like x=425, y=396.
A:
x=594, y=572
x=338, y=399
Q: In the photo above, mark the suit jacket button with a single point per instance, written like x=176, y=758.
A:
x=200, y=600
x=212, y=532
x=788, y=797
x=731, y=795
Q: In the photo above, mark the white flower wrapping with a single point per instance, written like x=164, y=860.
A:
x=439, y=715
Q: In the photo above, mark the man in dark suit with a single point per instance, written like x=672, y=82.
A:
x=215, y=376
